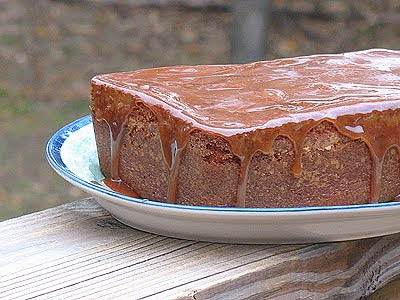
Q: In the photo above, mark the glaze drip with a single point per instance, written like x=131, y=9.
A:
x=174, y=134
x=120, y=187
x=251, y=105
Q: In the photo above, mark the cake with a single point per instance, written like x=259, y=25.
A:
x=305, y=131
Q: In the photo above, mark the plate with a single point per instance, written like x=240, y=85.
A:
x=72, y=153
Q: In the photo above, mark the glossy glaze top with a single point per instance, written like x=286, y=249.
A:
x=234, y=98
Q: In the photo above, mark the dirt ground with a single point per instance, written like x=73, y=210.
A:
x=49, y=50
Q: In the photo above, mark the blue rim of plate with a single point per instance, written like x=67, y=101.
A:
x=53, y=155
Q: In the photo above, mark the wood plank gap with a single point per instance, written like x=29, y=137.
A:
x=76, y=270
x=221, y=272
x=118, y=269
x=198, y=246
x=159, y=277
x=70, y=261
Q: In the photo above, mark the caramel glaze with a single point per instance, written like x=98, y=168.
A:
x=120, y=187
x=250, y=105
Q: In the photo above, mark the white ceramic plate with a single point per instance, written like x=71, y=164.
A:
x=72, y=153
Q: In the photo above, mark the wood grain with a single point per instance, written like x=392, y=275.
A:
x=78, y=250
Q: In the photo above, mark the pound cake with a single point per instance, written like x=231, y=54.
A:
x=306, y=131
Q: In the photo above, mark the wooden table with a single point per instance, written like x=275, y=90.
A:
x=78, y=250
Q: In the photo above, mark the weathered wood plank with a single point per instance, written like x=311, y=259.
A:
x=391, y=291
x=78, y=250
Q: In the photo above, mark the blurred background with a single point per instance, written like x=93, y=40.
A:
x=50, y=49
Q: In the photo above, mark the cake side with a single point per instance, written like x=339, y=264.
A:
x=336, y=169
